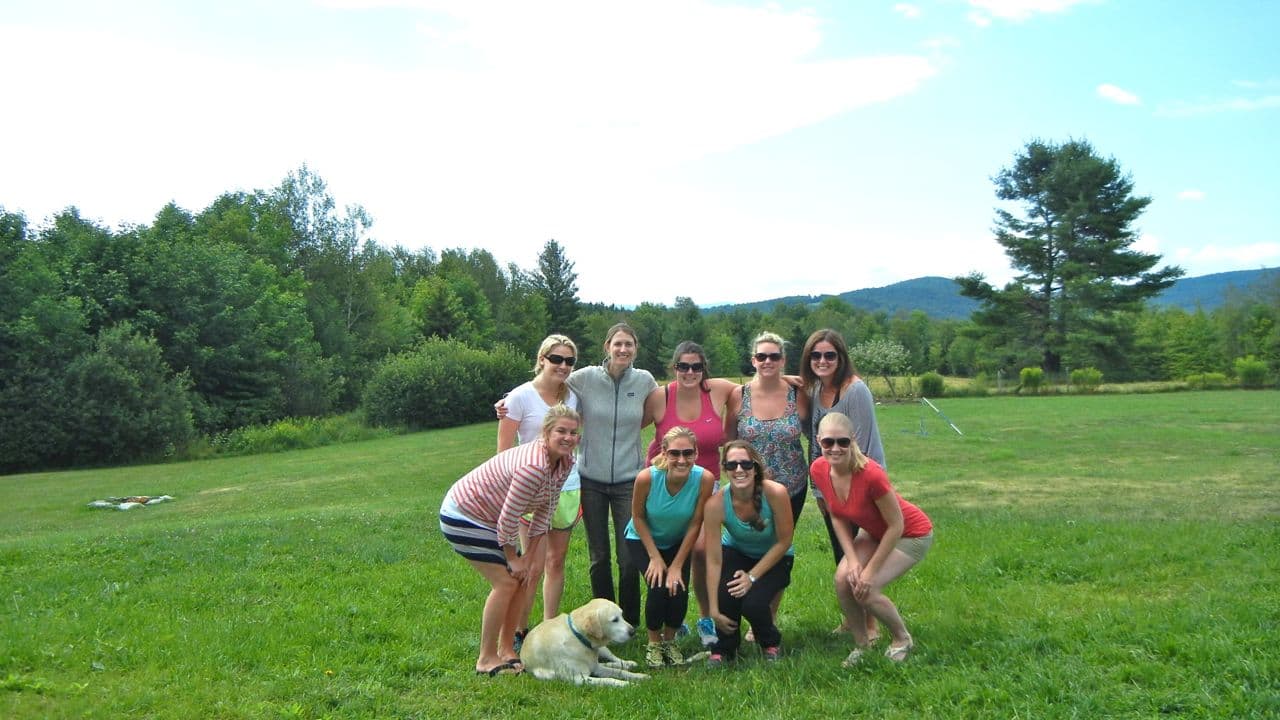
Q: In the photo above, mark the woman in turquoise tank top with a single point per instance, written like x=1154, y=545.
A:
x=752, y=563
x=666, y=516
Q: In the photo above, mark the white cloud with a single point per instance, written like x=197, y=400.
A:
x=1263, y=253
x=1118, y=95
x=1191, y=195
x=1146, y=243
x=907, y=10
x=1187, y=109
x=1017, y=10
x=564, y=120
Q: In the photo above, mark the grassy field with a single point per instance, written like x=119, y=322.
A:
x=1096, y=556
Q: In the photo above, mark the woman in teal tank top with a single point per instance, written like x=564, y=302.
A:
x=666, y=515
x=752, y=563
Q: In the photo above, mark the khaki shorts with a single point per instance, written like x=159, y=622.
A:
x=916, y=547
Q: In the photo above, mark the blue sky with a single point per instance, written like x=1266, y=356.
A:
x=723, y=151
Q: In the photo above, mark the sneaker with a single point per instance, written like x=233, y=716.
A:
x=715, y=660
x=653, y=655
x=682, y=630
x=518, y=641
x=671, y=653
x=772, y=653
x=706, y=631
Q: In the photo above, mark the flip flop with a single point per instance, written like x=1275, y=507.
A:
x=506, y=668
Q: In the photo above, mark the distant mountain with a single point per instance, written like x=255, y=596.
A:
x=940, y=297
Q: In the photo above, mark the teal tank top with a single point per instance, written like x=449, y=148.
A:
x=744, y=538
x=668, y=515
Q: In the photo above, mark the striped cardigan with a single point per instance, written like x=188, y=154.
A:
x=513, y=482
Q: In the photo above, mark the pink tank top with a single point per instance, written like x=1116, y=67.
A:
x=708, y=428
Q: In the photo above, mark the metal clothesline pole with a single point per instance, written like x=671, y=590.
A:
x=943, y=415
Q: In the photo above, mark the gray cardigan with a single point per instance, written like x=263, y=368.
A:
x=610, y=451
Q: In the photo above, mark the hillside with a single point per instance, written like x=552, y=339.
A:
x=940, y=298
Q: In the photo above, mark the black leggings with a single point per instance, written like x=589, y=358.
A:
x=661, y=608
x=754, y=606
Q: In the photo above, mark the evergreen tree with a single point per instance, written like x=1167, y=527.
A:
x=1071, y=246
x=557, y=283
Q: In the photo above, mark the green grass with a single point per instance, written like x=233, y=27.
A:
x=1096, y=556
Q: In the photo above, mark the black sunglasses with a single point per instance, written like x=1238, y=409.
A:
x=557, y=359
x=774, y=356
x=735, y=464
x=827, y=443
x=687, y=453
x=828, y=355
x=689, y=367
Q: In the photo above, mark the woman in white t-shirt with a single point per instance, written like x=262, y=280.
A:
x=526, y=406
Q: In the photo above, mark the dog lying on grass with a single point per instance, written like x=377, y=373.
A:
x=574, y=647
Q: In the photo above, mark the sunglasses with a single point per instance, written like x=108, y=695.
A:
x=689, y=367
x=774, y=356
x=686, y=453
x=828, y=443
x=735, y=464
x=558, y=359
x=828, y=355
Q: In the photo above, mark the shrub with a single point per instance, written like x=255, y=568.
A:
x=1086, y=379
x=1032, y=378
x=1251, y=372
x=127, y=405
x=442, y=383
x=1206, y=381
x=294, y=433
x=932, y=384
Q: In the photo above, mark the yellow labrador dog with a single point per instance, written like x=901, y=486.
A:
x=573, y=647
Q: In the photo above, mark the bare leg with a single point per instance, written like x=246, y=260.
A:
x=499, y=609
x=529, y=589
x=557, y=544
x=876, y=603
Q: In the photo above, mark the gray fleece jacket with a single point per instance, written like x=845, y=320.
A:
x=610, y=451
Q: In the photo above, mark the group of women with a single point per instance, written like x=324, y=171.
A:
x=569, y=447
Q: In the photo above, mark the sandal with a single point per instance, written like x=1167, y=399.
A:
x=506, y=668
x=898, y=653
x=854, y=657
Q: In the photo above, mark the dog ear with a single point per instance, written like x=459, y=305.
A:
x=587, y=618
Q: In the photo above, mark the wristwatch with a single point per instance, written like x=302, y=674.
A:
x=752, y=578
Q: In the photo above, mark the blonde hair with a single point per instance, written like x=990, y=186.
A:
x=674, y=433
x=842, y=422
x=559, y=411
x=769, y=337
x=548, y=343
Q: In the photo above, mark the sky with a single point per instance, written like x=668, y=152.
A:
x=722, y=151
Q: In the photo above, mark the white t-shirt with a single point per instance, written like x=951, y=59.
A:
x=526, y=407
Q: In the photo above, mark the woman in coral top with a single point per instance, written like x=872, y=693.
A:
x=893, y=535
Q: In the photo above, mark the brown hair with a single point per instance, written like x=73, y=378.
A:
x=844, y=366
x=689, y=347
x=757, y=495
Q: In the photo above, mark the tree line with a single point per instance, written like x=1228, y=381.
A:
x=124, y=344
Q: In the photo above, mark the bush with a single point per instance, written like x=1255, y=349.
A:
x=127, y=405
x=932, y=384
x=1207, y=381
x=1086, y=379
x=1251, y=372
x=442, y=383
x=1032, y=378
x=293, y=434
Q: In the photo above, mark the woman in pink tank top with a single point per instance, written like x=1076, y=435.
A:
x=696, y=401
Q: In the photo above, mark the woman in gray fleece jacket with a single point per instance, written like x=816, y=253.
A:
x=611, y=399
